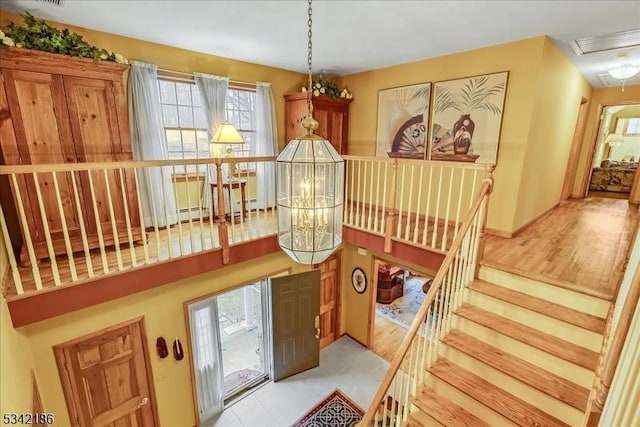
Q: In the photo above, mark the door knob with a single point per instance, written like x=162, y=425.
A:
x=143, y=402
x=317, y=323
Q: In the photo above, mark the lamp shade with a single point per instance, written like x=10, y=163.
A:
x=310, y=182
x=624, y=71
x=226, y=134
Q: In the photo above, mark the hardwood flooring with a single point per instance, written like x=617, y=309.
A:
x=387, y=338
x=581, y=245
x=179, y=240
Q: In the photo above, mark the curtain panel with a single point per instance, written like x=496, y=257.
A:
x=148, y=142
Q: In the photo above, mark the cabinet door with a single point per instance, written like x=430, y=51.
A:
x=38, y=111
x=110, y=196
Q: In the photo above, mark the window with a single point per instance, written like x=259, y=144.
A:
x=633, y=126
x=185, y=124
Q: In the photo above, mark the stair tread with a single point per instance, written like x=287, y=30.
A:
x=553, y=345
x=445, y=411
x=412, y=422
x=547, y=308
x=532, y=375
x=509, y=406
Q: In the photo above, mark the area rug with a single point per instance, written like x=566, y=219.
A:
x=336, y=410
x=402, y=310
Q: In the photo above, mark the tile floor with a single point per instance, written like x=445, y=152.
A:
x=345, y=364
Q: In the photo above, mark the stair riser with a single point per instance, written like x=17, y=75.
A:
x=471, y=405
x=539, y=399
x=424, y=419
x=551, y=363
x=557, y=328
x=585, y=303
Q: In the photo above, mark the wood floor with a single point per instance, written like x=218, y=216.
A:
x=387, y=338
x=179, y=240
x=581, y=245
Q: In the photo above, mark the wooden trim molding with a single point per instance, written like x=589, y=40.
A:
x=42, y=305
x=33, y=60
x=522, y=228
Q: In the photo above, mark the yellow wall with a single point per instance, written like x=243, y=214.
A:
x=601, y=98
x=16, y=360
x=176, y=59
x=522, y=59
x=355, y=315
x=163, y=309
x=559, y=90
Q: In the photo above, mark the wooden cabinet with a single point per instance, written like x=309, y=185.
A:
x=332, y=115
x=62, y=110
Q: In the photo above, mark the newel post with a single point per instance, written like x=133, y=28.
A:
x=223, y=226
x=391, y=217
x=489, y=178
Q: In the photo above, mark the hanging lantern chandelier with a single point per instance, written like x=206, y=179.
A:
x=310, y=183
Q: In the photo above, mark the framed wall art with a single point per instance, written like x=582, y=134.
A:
x=403, y=113
x=359, y=280
x=466, y=118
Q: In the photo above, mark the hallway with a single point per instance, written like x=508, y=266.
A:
x=580, y=246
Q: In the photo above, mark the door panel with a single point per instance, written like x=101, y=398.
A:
x=95, y=127
x=42, y=136
x=106, y=378
x=329, y=299
x=295, y=307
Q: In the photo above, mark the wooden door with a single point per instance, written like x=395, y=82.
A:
x=329, y=299
x=295, y=309
x=38, y=111
x=99, y=137
x=107, y=379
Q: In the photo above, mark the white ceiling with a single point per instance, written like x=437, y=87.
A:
x=352, y=36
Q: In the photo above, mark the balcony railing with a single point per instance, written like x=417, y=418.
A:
x=69, y=223
x=413, y=201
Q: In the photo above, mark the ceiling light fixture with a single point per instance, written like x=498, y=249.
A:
x=623, y=71
x=310, y=183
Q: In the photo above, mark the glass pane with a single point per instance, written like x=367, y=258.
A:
x=201, y=120
x=173, y=140
x=195, y=96
x=170, y=116
x=167, y=92
x=245, y=120
x=184, y=93
x=186, y=117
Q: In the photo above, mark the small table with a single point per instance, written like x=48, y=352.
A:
x=227, y=186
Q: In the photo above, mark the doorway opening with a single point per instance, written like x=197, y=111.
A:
x=614, y=168
x=229, y=347
x=397, y=296
x=243, y=348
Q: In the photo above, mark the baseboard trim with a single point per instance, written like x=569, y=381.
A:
x=355, y=339
x=517, y=232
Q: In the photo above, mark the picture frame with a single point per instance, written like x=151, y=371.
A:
x=359, y=280
x=466, y=118
x=402, y=128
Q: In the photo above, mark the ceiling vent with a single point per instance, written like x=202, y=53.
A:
x=621, y=40
x=53, y=2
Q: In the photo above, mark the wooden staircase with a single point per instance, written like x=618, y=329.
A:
x=521, y=352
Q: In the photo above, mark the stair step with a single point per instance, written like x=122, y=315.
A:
x=547, y=308
x=445, y=411
x=412, y=422
x=532, y=375
x=509, y=406
x=568, y=351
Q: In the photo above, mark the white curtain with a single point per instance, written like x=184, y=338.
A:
x=213, y=93
x=266, y=145
x=148, y=141
x=205, y=338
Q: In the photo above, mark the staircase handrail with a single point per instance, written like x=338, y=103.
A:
x=431, y=295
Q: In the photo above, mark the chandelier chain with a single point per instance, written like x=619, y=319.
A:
x=309, y=49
